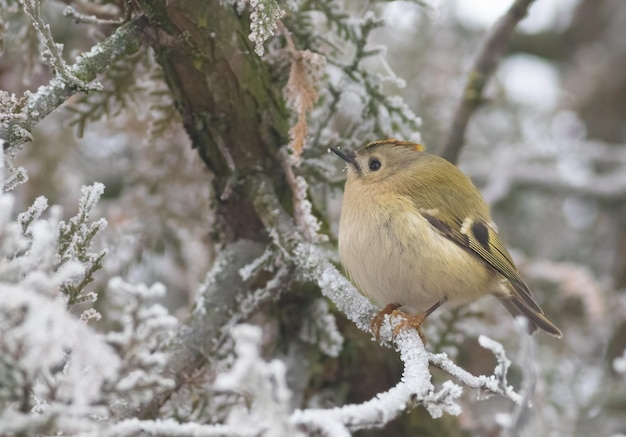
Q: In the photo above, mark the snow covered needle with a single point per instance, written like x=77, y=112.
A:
x=263, y=385
x=26, y=219
x=263, y=18
x=74, y=240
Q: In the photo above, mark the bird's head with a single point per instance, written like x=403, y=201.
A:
x=379, y=160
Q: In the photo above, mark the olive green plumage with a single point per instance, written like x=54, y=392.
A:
x=415, y=231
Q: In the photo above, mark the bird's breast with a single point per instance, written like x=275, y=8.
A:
x=394, y=255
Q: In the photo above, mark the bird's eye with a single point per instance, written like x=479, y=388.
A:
x=374, y=164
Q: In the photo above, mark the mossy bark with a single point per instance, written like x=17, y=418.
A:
x=233, y=112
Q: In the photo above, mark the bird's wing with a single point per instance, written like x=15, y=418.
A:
x=480, y=239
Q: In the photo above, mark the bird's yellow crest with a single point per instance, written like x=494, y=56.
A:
x=394, y=142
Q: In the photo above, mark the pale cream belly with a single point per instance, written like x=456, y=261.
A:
x=415, y=267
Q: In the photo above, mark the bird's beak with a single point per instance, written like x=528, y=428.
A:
x=348, y=157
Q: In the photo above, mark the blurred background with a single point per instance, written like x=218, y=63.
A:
x=547, y=149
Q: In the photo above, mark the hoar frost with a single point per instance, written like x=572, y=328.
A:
x=263, y=384
x=263, y=18
x=320, y=328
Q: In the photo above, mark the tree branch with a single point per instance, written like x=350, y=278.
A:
x=608, y=187
x=484, y=66
x=216, y=310
x=15, y=128
x=414, y=385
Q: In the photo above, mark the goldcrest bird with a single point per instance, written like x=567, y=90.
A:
x=416, y=233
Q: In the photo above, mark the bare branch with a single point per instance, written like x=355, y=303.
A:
x=609, y=186
x=481, y=71
x=519, y=416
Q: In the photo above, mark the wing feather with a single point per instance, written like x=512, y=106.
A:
x=480, y=239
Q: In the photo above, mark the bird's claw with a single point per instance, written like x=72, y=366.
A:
x=408, y=321
x=379, y=318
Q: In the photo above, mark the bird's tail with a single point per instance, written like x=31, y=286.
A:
x=536, y=319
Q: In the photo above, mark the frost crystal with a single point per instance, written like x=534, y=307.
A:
x=255, y=266
x=146, y=328
x=42, y=340
x=262, y=383
x=25, y=219
x=263, y=18
x=320, y=328
x=498, y=350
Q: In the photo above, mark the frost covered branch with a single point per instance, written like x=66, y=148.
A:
x=320, y=328
x=92, y=18
x=576, y=167
x=482, y=69
x=493, y=384
x=573, y=281
x=146, y=327
x=165, y=428
x=53, y=53
x=262, y=383
x=267, y=409
x=74, y=240
x=514, y=422
x=52, y=246
x=33, y=107
x=225, y=299
x=58, y=375
x=56, y=371
x=306, y=222
x=415, y=388
x=311, y=263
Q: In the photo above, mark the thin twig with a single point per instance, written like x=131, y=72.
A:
x=305, y=221
x=519, y=415
x=291, y=46
x=79, y=17
x=481, y=71
x=607, y=187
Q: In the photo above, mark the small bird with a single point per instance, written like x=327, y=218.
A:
x=416, y=233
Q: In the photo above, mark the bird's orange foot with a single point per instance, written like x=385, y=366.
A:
x=409, y=321
x=379, y=318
